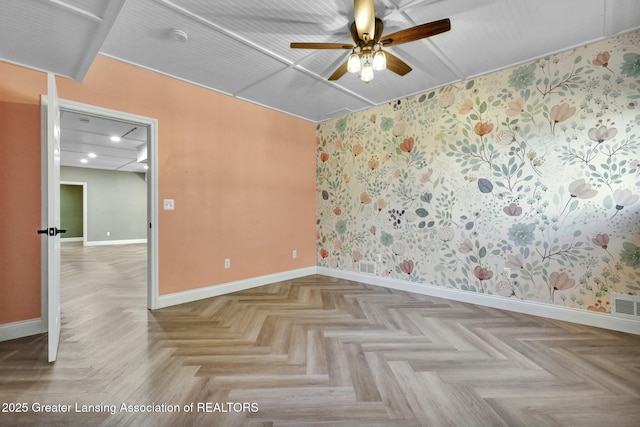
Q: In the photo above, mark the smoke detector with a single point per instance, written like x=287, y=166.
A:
x=178, y=35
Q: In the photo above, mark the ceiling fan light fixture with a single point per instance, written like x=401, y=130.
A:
x=367, y=72
x=379, y=61
x=353, y=66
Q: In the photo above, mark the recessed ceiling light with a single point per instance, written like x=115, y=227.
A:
x=84, y=161
x=92, y=155
x=116, y=139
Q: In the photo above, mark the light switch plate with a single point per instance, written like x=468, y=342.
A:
x=168, y=205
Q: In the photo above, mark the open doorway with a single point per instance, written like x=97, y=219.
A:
x=92, y=143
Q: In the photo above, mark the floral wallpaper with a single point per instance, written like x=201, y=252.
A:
x=523, y=183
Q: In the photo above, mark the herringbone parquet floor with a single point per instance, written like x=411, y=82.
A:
x=314, y=351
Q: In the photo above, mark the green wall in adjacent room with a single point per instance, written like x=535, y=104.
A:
x=116, y=203
x=71, y=210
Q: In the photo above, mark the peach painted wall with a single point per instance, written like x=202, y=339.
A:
x=242, y=176
x=19, y=212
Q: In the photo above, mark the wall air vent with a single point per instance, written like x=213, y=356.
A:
x=625, y=305
x=367, y=267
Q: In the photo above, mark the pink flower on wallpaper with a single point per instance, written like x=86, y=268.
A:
x=406, y=266
x=357, y=256
x=515, y=107
x=483, y=128
x=601, y=134
x=324, y=157
x=381, y=204
x=466, y=106
x=561, y=112
x=324, y=253
x=372, y=119
x=407, y=145
x=466, y=246
x=561, y=281
x=513, y=210
x=602, y=59
x=357, y=150
x=364, y=198
x=337, y=211
x=601, y=239
x=482, y=273
x=373, y=163
x=373, y=229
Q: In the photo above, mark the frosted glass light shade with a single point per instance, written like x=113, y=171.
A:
x=367, y=72
x=379, y=61
x=353, y=66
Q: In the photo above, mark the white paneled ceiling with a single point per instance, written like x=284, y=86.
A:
x=59, y=36
x=241, y=47
x=85, y=141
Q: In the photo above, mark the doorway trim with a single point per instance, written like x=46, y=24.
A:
x=152, y=190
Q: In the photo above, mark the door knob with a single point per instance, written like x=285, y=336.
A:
x=53, y=231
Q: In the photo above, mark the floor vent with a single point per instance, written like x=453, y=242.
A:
x=625, y=305
x=367, y=267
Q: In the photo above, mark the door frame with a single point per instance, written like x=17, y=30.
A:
x=152, y=194
x=84, y=211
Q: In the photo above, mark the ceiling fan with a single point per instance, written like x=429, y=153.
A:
x=367, y=54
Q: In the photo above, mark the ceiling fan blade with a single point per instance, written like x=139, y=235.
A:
x=396, y=64
x=339, y=72
x=365, y=18
x=321, y=46
x=416, y=33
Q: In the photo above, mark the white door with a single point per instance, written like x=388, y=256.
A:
x=51, y=216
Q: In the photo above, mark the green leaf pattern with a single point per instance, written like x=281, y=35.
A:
x=523, y=183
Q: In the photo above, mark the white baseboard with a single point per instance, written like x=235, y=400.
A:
x=24, y=328
x=567, y=314
x=227, y=288
x=115, y=242
x=71, y=239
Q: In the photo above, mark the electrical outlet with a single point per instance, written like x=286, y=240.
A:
x=506, y=273
x=227, y=263
x=108, y=233
x=169, y=205
x=379, y=257
x=294, y=254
